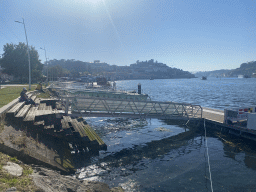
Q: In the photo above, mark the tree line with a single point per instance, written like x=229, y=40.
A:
x=14, y=62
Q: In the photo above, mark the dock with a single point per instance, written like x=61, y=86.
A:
x=132, y=108
x=213, y=115
x=218, y=120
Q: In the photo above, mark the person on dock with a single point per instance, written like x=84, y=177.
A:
x=114, y=85
x=24, y=97
x=40, y=87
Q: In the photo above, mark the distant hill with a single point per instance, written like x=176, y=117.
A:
x=149, y=69
x=246, y=69
x=216, y=73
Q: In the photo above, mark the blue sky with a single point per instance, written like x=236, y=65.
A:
x=193, y=35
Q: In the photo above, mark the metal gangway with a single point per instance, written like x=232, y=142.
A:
x=114, y=107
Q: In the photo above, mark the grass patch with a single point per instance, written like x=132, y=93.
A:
x=27, y=171
x=8, y=94
x=1, y=126
x=46, y=94
x=9, y=180
x=22, y=183
x=14, y=159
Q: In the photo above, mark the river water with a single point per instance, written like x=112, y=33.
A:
x=154, y=155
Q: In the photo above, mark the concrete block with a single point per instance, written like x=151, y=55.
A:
x=251, y=122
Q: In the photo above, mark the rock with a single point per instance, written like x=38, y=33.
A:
x=95, y=186
x=51, y=181
x=13, y=169
x=11, y=189
x=117, y=189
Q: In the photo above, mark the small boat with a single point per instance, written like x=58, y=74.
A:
x=204, y=78
x=243, y=76
x=151, y=78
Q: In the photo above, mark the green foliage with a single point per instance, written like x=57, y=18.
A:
x=44, y=95
x=27, y=171
x=1, y=126
x=8, y=180
x=25, y=182
x=15, y=62
x=56, y=71
x=14, y=159
x=22, y=183
x=10, y=93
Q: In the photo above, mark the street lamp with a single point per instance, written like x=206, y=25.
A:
x=46, y=61
x=29, y=67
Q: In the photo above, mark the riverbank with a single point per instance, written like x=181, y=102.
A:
x=43, y=156
x=35, y=177
x=42, y=179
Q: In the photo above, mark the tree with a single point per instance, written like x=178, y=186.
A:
x=57, y=71
x=15, y=62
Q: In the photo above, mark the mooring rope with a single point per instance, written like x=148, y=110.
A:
x=208, y=155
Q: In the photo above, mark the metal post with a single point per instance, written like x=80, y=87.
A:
x=225, y=116
x=67, y=105
x=28, y=52
x=45, y=62
x=139, y=88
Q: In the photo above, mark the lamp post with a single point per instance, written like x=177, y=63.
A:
x=45, y=61
x=29, y=67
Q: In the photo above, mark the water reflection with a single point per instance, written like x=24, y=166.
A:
x=234, y=146
x=150, y=150
x=155, y=156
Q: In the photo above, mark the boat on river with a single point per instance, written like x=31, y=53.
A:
x=203, y=78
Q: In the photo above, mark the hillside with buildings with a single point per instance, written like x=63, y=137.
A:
x=246, y=69
x=216, y=73
x=140, y=70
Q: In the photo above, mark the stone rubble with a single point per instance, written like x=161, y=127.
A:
x=51, y=181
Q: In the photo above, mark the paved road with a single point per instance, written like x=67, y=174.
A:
x=14, y=85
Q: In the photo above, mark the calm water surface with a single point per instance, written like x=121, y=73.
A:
x=153, y=155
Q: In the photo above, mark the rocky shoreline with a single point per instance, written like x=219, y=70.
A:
x=45, y=179
x=51, y=181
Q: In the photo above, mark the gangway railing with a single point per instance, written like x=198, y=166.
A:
x=109, y=107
